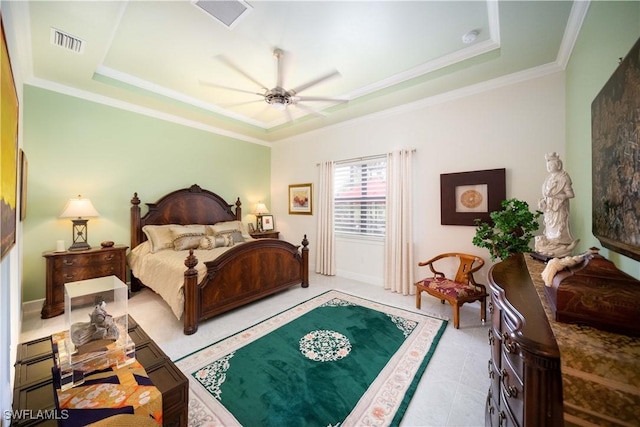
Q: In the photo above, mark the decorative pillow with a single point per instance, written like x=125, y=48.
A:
x=159, y=236
x=187, y=237
x=210, y=242
x=228, y=226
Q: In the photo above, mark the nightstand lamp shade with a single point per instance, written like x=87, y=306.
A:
x=260, y=210
x=79, y=210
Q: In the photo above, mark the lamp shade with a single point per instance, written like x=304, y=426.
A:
x=79, y=208
x=260, y=209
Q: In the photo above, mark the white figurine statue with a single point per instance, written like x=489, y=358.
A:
x=556, y=240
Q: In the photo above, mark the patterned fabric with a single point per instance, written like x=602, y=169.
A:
x=113, y=391
x=600, y=370
x=449, y=287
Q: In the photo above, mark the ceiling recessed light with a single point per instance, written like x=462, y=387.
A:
x=470, y=37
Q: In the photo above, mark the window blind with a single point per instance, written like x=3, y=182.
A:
x=360, y=189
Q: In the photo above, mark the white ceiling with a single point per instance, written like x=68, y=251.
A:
x=152, y=56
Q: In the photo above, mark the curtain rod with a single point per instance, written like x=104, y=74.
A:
x=359, y=159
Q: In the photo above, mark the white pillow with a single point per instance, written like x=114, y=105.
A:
x=186, y=237
x=159, y=236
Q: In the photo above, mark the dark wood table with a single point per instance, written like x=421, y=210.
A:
x=34, y=391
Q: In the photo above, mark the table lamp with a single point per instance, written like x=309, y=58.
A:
x=260, y=210
x=79, y=209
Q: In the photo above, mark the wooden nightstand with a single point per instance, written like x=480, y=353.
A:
x=272, y=234
x=71, y=266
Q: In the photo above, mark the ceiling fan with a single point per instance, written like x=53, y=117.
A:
x=278, y=97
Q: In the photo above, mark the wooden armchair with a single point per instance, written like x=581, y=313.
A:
x=457, y=291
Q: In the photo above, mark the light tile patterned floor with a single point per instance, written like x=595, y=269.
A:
x=452, y=391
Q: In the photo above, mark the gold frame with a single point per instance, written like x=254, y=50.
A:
x=298, y=192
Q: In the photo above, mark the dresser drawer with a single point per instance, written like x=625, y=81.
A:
x=512, y=390
x=505, y=417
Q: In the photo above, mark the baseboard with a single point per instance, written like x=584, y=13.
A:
x=373, y=280
x=34, y=305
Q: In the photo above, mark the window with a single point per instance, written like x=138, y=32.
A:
x=359, y=197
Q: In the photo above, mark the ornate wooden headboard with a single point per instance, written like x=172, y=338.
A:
x=191, y=205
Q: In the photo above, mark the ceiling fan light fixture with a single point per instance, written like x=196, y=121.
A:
x=278, y=98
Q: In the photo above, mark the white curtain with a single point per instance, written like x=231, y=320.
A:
x=398, y=241
x=325, y=253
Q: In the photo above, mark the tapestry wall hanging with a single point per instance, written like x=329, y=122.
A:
x=615, y=136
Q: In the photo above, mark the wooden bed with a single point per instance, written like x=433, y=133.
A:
x=245, y=273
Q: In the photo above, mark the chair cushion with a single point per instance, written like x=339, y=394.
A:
x=449, y=287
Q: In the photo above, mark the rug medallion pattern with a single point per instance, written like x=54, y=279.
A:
x=334, y=360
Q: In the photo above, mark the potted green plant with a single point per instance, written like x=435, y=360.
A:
x=511, y=229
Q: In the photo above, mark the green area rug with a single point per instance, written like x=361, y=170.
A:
x=334, y=360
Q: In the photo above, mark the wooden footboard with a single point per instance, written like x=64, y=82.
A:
x=241, y=275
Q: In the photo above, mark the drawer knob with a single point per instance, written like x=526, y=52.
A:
x=68, y=276
x=68, y=261
x=109, y=257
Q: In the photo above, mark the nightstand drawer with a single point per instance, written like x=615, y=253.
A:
x=66, y=275
x=95, y=259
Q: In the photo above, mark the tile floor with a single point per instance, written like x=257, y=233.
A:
x=451, y=392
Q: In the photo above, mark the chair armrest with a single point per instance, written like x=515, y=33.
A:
x=430, y=262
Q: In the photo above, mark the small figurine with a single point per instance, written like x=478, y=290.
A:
x=101, y=326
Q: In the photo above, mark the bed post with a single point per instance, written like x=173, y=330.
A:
x=135, y=236
x=135, y=220
x=305, y=262
x=191, y=302
x=238, y=210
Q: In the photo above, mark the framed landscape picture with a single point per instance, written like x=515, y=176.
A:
x=9, y=143
x=300, y=199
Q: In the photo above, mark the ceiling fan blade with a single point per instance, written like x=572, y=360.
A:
x=319, y=98
x=307, y=85
x=311, y=110
x=239, y=70
x=279, y=53
x=204, y=83
x=237, y=104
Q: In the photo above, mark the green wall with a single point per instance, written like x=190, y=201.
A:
x=608, y=33
x=75, y=146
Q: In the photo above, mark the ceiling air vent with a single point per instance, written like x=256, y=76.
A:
x=227, y=12
x=66, y=41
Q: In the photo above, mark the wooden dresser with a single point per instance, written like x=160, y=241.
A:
x=547, y=373
x=526, y=384
x=71, y=266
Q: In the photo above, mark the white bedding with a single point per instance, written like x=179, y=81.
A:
x=163, y=271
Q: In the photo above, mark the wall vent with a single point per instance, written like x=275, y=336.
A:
x=66, y=41
x=227, y=12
